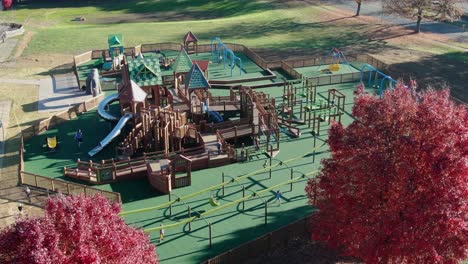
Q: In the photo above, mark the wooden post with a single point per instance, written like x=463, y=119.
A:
x=189, y=215
x=291, y=184
x=170, y=205
x=223, y=184
x=271, y=157
x=243, y=196
x=211, y=233
x=315, y=143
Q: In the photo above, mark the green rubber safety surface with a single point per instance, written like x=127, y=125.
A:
x=231, y=226
x=323, y=70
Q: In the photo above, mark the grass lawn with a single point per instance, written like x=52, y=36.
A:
x=267, y=25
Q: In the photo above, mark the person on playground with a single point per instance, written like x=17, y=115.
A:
x=220, y=146
x=28, y=194
x=161, y=233
x=278, y=197
x=257, y=143
x=79, y=137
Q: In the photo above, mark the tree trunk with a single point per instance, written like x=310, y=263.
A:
x=418, y=23
x=358, y=9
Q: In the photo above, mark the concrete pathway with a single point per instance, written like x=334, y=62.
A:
x=5, y=107
x=7, y=48
x=59, y=92
x=18, y=81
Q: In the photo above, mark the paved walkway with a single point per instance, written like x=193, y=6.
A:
x=5, y=107
x=6, y=48
x=18, y=81
x=59, y=93
x=374, y=8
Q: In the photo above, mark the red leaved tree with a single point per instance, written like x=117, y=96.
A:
x=76, y=229
x=7, y=4
x=396, y=186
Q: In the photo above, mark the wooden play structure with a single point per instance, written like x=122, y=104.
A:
x=190, y=43
x=167, y=129
x=163, y=137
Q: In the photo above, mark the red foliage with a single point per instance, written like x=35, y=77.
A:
x=7, y=4
x=76, y=229
x=396, y=186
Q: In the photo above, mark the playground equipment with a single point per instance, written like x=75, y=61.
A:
x=375, y=74
x=334, y=58
x=190, y=43
x=116, y=45
x=93, y=83
x=223, y=183
x=113, y=134
x=225, y=55
x=52, y=143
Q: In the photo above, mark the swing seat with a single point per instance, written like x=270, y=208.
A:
x=52, y=143
x=214, y=202
x=334, y=67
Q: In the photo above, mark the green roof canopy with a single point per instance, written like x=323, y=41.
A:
x=145, y=71
x=195, y=79
x=115, y=40
x=183, y=62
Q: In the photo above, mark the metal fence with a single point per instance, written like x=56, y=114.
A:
x=264, y=243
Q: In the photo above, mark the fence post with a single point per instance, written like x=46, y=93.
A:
x=291, y=184
x=271, y=157
x=189, y=215
x=223, y=184
x=170, y=205
x=243, y=196
x=68, y=188
x=35, y=179
x=211, y=231
x=266, y=212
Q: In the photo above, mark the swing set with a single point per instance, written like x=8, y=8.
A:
x=335, y=58
x=374, y=75
x=225, y=55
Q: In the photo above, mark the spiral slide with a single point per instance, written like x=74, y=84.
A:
x=109, y=117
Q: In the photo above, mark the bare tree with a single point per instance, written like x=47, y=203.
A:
x=358, y=2
x=439, y=10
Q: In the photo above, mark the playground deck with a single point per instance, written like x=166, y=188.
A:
x=231, y=225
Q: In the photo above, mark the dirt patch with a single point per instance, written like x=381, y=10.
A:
x=23, y=44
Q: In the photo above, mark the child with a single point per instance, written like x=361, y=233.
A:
x=257, y=143
x=28, y=194
x=220, y=146
x=278, y=197
x=79, y=137
x=161, y=233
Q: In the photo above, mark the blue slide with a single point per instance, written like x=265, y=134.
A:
x=113, y=134
x=215, y=116
x=102, y=108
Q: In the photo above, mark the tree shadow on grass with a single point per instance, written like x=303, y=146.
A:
x=157, y=11
x=437, y=71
